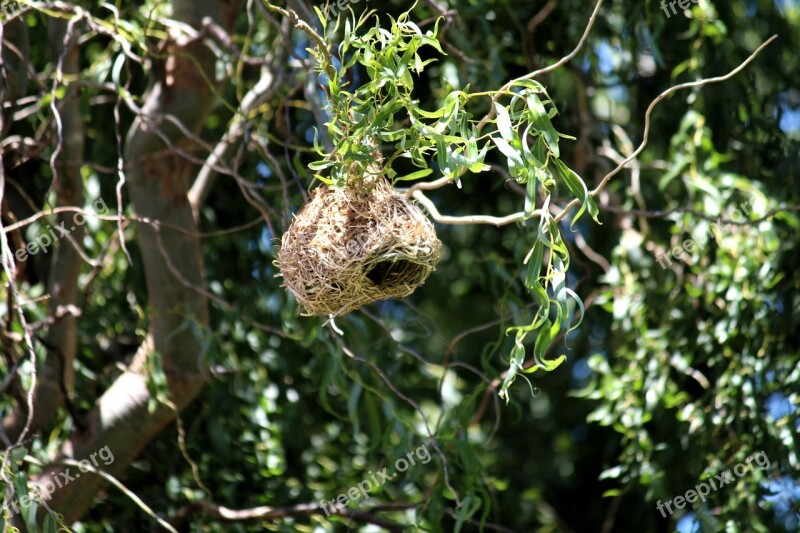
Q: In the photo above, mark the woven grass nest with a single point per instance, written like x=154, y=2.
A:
x=349, y=246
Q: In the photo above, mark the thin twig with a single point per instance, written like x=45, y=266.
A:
x=645, y=136
x=490, y=115
x=266, y=513
x=416, y=193
x=10, y=270
x=664, y=214
x=84, y=466
x=470, y=219
x=308, y=30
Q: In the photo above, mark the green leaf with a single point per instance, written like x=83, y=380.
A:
x=352, y=408
x=510, y=152
x=534, y=262
x=18, y=454
x=21, y=483
x=430, y=41
x=441, y=155
x=504, y=123
x=416, y=175
x=511, y=375
x=542, y=121
x=469, y=506
x=611, y=473
x=530, y=196
x=543, y=339
x=577, y=187
x=321, y=165
x=677, y=167
x=434, y=114
x=579, y=303
x=533, y=85
x=321, y=16
x=478, y=165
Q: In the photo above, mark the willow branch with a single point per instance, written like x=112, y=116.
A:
x=646, y=135
x=84, y=466
x=268, y=513
x=416, y=190
x=470, y=219
x=490, y=115
x=301, y=25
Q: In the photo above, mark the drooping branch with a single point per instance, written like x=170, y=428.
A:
x=57, y=374
x=158, y=179
x=205, y=179
x=12, y=80
x=301, y=25
x=536, y=73
x=416, y=190
x=658, y=99
x=470, y=219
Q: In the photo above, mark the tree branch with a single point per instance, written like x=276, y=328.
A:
x=158, y=179
x=536, y=73
x=57, y=373
x=419, y=196
x=268, y=513
x=645, y=135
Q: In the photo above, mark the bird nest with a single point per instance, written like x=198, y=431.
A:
x=352, y=245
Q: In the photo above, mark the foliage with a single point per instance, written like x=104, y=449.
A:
x=383, y=110
x=672, y=375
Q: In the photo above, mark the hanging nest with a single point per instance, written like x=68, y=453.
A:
x=349, y=246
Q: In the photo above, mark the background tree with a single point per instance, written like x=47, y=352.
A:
x=184, y=135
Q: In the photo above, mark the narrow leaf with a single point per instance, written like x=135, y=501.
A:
x=416, y=175
x=504, y=123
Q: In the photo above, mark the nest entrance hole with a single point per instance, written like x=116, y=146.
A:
x=393, y=273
